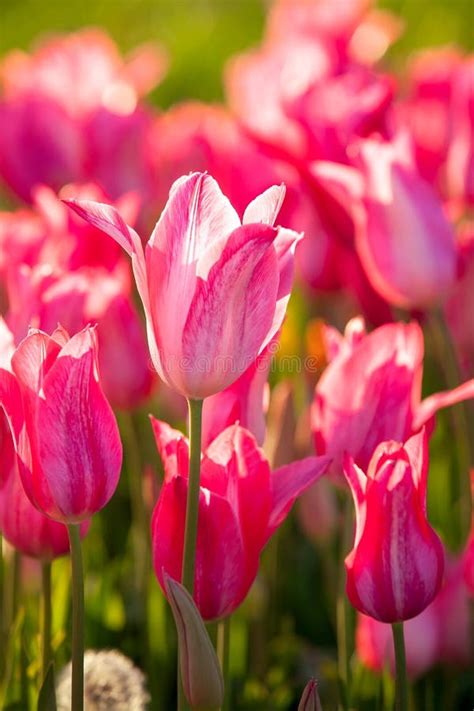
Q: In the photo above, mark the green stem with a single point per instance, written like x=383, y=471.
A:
x=46, y=654
x=401, y=683
x=192, y=511
x=77, y=686
x=192, y=504
x=223, y=645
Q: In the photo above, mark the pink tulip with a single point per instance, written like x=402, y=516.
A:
x=70, y=113
x=439, y=634
x=241, y=504
x=42, y=298
x=21, y=524
x=396, y=566
x=66, y=437
x=202, y=339
x=82, y=71
x=460, y=160
x=22, y=239
x=403, y=238
x=371, y=392
x=469, y=552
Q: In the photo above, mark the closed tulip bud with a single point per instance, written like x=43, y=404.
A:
x=68, y=446
x=200, y=670
x=310, y=698
x=396, y=566
x=200, y=338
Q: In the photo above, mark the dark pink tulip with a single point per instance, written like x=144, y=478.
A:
x=371, y=392
x=403, y=238
x=241, y=505
x=469, y=552
x=438, y=635
x=214, y=291
x=395, y=568
x=68, y=447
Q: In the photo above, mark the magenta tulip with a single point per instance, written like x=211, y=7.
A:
x=214, y=291
x=395, y=568
x=68, y=446
x=241, y=504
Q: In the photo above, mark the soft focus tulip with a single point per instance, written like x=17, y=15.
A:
x=403, y=237
x=310, y=698
x=241, y=504
x=70, y=112
x=371, y=392
x=68, y=446
x=201, y=337
x=439, y=634
x=200, y=670
x=42, y=298
x=469, y=553
x=396, y=566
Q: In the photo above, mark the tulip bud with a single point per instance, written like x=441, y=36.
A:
x=310, y=698
x=396, y=566
x=200, y=671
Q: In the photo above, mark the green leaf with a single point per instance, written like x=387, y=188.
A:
x=47, y=694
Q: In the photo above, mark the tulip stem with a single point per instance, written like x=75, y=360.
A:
x=192, y=511
x=46, y=617
x=401, y=683
x=223, y=645
x=77, y=686
x=192, y=503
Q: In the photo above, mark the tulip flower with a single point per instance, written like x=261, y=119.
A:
x=395, y=568
x=241, y=504
x=68, y=447
x=458, y=312
x=403, y=238
x=201, y=342
x=371, y=392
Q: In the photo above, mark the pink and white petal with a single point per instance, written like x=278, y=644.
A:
x=430, y=405
x=231, y=312
x=417, y=449
x=265, y=207
x=285, y=245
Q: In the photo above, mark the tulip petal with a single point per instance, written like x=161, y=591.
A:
x=78, y=440
x=265, y=207
x=289, y=482
x=173, y=449
x=430, y=405
x=232, y=311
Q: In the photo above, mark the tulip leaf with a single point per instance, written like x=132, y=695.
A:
x=47, y=694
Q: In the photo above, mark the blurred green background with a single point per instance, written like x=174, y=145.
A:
x=201, y=34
